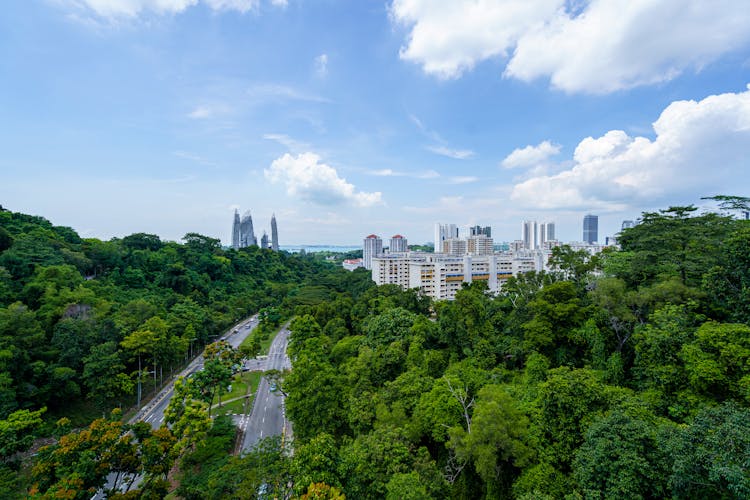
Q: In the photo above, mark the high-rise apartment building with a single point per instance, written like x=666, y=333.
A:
x=591, y=228
x=546, y=233
x=479, y=245
x=529, y=235
x=444, y=232
x=454, y=246
x=477, y=230
x=398, y=244
x=264, y=240
x=274, y=234
x=372, y=247
x=440, y=276
x=236, y=231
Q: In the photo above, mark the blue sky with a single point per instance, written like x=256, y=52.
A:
x=347, y=118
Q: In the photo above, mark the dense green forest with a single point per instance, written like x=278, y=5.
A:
x=76, y=314
x=620, y=375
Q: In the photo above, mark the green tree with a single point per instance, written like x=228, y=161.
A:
x=316, y=461
x=495, y=441
x=17, y=432
x=710, y=456
x=717, y=362
x=103, y=375
x=621, y=458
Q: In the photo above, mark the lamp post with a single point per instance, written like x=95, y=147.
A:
x=191, y=346
x=140, y=372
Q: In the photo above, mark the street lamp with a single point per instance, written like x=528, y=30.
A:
x=140, y=372
x=191, y=346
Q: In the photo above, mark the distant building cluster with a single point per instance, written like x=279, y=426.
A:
x=243, y=234
x=459, y=260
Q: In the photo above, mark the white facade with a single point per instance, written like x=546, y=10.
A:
x=529, y=235
x=391, y=270
x=351, y=264
x=479, y=245
x=441, y=276
x=372, y=247
x=546, y=233
x=454, y=246
x=444, y=232
x=398, y=244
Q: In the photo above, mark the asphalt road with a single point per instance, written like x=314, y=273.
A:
x=268, y=417
x=153, y=411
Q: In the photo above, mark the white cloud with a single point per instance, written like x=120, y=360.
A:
x=597, y=46
x=464, y=179
x=387, y=172
x=286, y=141
x=133, y=8
x=700, y=148
x=205, y=111
x=427, y=174
x=456, y=154
x=531, y=156
x=282, y=92
x=321, y=65
x=238, y=5
x=448, y=38
x=307, y=178
x=440, y=148
x=117, y=9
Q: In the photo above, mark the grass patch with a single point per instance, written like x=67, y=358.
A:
x=242, y=384
x=265, y=343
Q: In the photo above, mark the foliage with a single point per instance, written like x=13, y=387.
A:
x=620, y=375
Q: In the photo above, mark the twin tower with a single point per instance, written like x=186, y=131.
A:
x=243, y=234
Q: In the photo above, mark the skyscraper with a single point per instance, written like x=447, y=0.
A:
x=444, y=232
x=591, y=228
x=546, y=233
x=398, y=244
x=477, y=230
x=236, y=230
x=372, y=247
x=264, y=240
x=247, y=234
x=274, y=234
x=529, y=235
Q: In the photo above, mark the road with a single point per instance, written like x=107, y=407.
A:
x=268, y=417
x=153, y=411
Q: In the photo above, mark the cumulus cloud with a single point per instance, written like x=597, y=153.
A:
x=308, y=179
x=450, y=38
x=598, y=46
x=531, y=156
x=699, y=148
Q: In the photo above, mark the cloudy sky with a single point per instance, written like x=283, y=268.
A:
x=352, y=117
